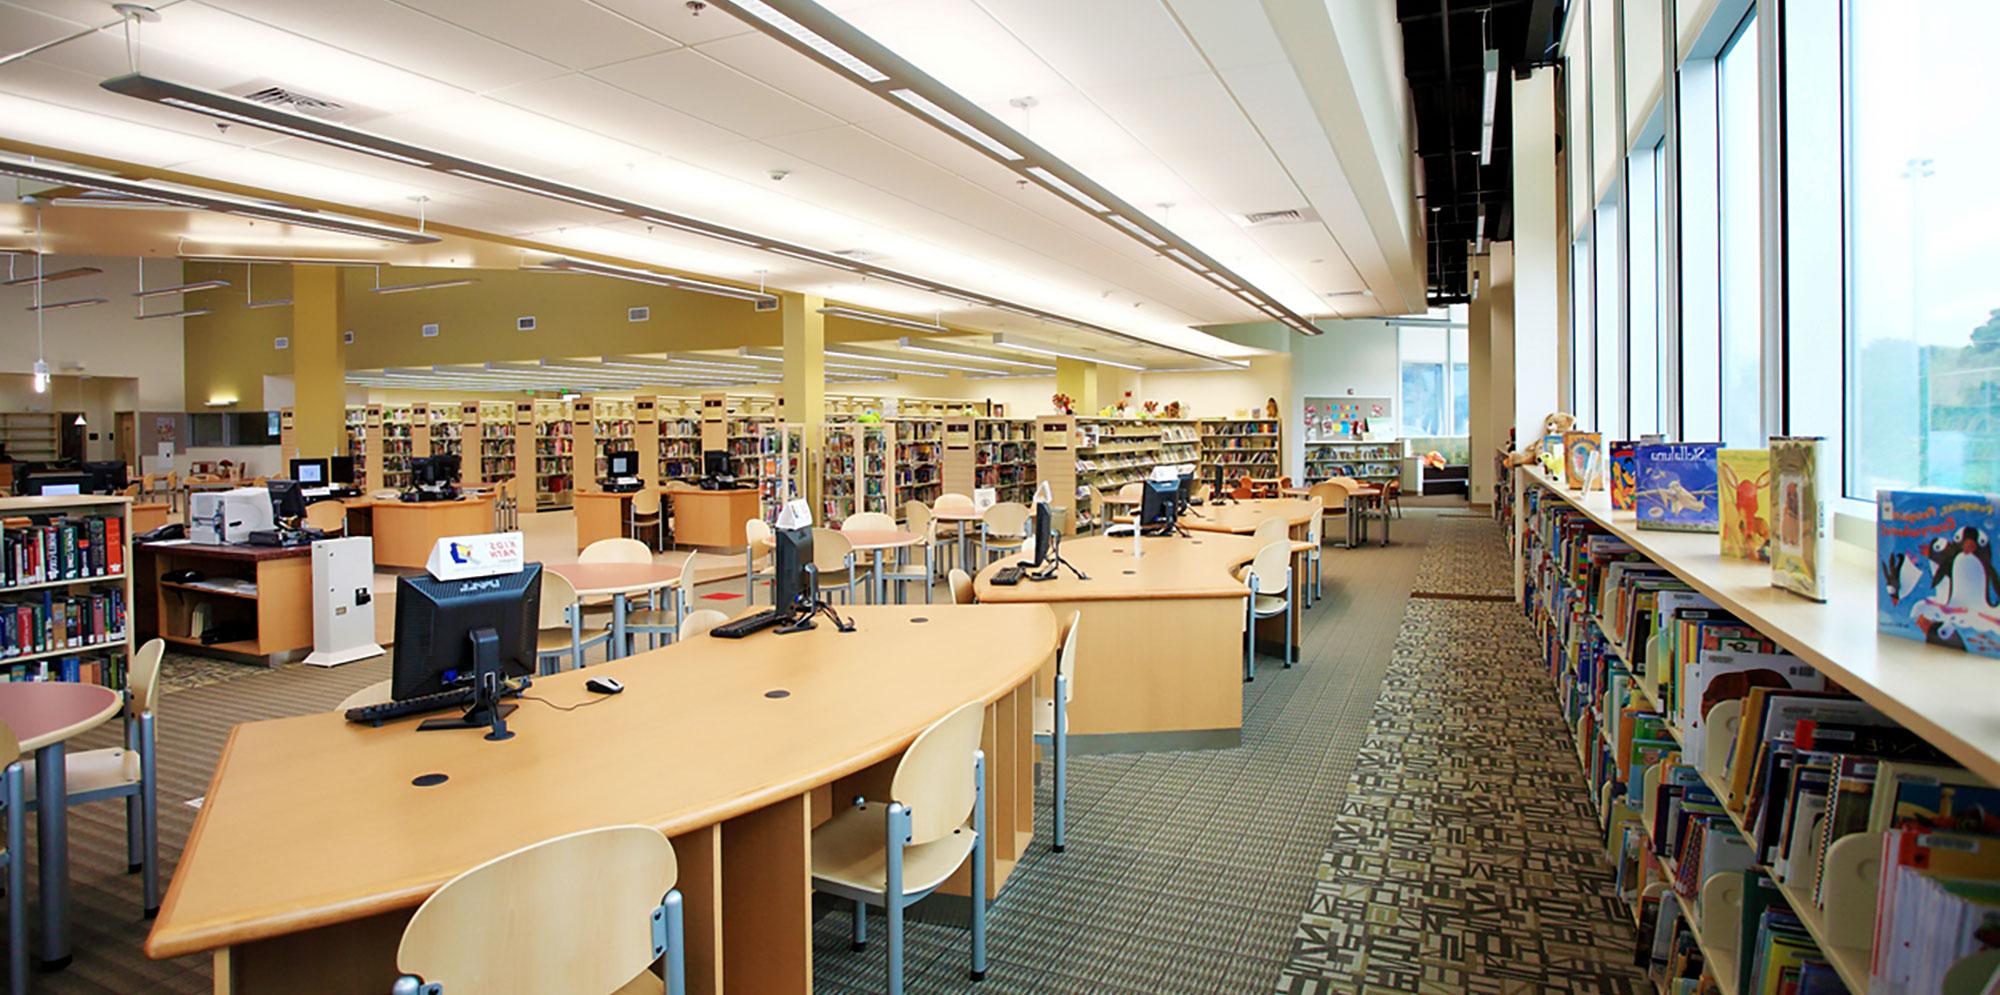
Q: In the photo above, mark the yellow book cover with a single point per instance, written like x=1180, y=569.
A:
x=1744, y=481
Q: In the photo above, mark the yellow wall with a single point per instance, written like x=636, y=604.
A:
x=232, y=350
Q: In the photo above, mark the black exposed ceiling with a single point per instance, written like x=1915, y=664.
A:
x=1444, y=52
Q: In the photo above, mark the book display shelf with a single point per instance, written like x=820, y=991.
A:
x=397, y=444
x=746, y=447
x=357, y=443
x=65, y=589
x=1327, y=458
x=840, y=472
x=442, y=420
x=1776, y=780
x=496, y=442
x=1243, y=447
x=553, y=449
x=679, y=423
x=30, y=436
x=780, y=467
x=1003, y=457
x=918, y=467
x=614, y=429
x=1113, y=452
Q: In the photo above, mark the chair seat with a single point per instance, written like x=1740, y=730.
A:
x=848, y=851
x=839, y=578
x=551, y=641
x=1267, y=605
x=90, y=770
x=650, y=618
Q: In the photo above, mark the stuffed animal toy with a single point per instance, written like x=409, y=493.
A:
x=1554, y=423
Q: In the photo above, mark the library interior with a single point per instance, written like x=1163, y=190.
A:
x=1464, y=425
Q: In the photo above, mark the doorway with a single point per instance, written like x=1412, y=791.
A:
x=124, y=436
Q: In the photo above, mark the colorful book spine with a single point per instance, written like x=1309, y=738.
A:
x=1744, y=478
x=1799, y=538
x=1937, y=582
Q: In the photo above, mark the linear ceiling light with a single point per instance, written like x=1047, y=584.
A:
x=1486, y=102
x=820, y=258
x=61, y=274
x=921, y=367
x=955, y=350
x=66, y=305
x=1134, y=230
x=182, y=288
x=809, y=38
x=568, y=265
x=877, y=318
x=185, y=313
x=1064, y=187
x=404, y=288
x=955, y=124
x=703, y=229
x=1014, y=342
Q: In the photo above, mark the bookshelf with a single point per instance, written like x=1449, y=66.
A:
x=680, y=443
x=443, y=424
x=840, y=472
x=1113, y=452
x=917, y=461
x=1361, y=460
x=743, y=441
x=496, y=442
x=398, y=442
x=31, y=436
x=1056, y=437
x=81, y=619
x=781, y=466
x=521, y=445
x=553, y=437
x=613, y=429
x=1242, y=447
x=1003, y=457
x=1602, y=674
x=357, y=443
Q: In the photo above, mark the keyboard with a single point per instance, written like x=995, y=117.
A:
x=390, y=711
x=1007, y=576
x=755, y=622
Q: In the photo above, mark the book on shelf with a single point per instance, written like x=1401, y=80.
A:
x=1624, y=456
x=1676, y=487
x=1743, y=481
x=37, y=549
x=1799, y=539
x=1936, y=581
x=1581, y=451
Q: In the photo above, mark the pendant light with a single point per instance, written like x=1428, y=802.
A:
x=41, y=357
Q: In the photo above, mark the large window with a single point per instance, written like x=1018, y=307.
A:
x=1741, y=267
x=1923, y=341
x=1610, y=414
x=1582, y=342
x=1436, y=376
x=1644, y=293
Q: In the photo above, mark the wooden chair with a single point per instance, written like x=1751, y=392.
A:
x=506, y=506
x=1052, y=726
x=13, y=801
x=655, y=620
x=893, y=853
x=961, y=587
x=1271, y=530
x=588, y=913
x=1392, y=497
x=374, y=694
x=329, y=517
x=561, y=624
x=699, y=622
x=874, y=521
x=616, y=551
x=1245, y=489
x=948, y=532
x=644, y=513
x=917, y=519
x=1003, y=527
x=1270, y=571
x=833, y=558
x=756, y=553
x=129, y=772
x=1333, y=504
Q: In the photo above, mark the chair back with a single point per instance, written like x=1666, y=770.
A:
x=934, y=778
x=374, y=694
x=756, y=531
x=870, y=521
x=1272, y=529
x=1245, y=489
x=10, y=751
x=1007, y=518
x=699, y=621
x=961, y=586
x=1132, y=491
x=680, y=485
x=1392, y=489
x=578, y=916
x=1066, y=659
x=1330, y=494
x=645, y=502
x=558, y=594
x=1200, y=493
x=1267, y=571
x=685, y=582
x=1284, y=482
x=831, y=551
x=1315, y=528
x=957, y=504
x=1348, y=482
x=615, y=551
x=327, y=516
x=917, y=516
x=142, y=678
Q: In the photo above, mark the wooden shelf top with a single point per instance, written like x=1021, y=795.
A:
x=1932, y=690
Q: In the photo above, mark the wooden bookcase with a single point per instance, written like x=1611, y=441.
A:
x=1056, y=462
x=398, y=440
x=781, y=466
x=471, y=444
x=1113, y=452
x=357, y=444
x=1241, y=447
x=1376, y=461
x=916, y=461
x=999, y=453
x=31, y=436
x=679, y=428
x=522, y=446
x=553, y=447
x=100, y=660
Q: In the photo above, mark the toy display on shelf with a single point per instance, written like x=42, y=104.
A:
x=554, y=474
x=1242, y=447
x=1327, y=458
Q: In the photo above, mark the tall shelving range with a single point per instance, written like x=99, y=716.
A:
x=82, y=629
x=552, y=441
x=1242, y=447
x=1113, y=452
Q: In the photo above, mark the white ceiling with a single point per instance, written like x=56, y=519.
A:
x=1188, y=102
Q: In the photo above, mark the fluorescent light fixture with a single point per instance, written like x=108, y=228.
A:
x=958, y=126
x=918, y=366
x=1487, y=100
x=941, y=347
x=285, y=129
x=66, y=305
x=273, y=302
x=543, y=188
x=894, y=321
x=1186, y=260
x=813, y=257
x=568, y=265
x=809, y=38
x=1133, y=229
x=1015, y=342
x=61, y=274
x=184, y=313
x=705, y=230
x=909, y=282
x=184, y=288
x=1063, y=187
x=219, y=402
x=404, y=288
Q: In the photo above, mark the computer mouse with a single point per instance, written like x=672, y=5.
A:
x=604, y=685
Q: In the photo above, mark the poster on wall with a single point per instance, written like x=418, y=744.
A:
x=1343, y=419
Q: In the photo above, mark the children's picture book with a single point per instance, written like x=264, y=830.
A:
x=1623, y=453
x=1676, y=487
x=1937, y=582
x=1799, y=538
x=1581, y=453
x=1744, y=476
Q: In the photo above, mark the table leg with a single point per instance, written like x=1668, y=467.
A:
x=618, y=647
x=1382, y=505
x=52, y=835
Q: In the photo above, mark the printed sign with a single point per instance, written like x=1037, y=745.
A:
x=464, y=557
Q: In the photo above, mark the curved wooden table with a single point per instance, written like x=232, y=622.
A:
x=1245, y=516
x=44, y=715
x=313, y=846
x=617, y=581
x=1160, y=661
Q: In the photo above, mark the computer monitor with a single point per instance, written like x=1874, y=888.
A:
x=1186, y=495
x=340, y=471
x=435, y=471
x=1045, y=532
x=53, y=482
x=457, y=633
x=310, y=472
x=715, y=463
x=1216, y=492
x=792, y=580
x=623, y=463
x=107, y=476
x=288, y=502
x=1159, y=505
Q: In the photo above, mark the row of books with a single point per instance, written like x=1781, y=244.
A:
x=52, y=622
x=38, y=548
x=1717, y=755
x=108, y=670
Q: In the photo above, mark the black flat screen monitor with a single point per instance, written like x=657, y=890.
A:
x=1186, y=496
x=715, y=463
x=340, y=471
x=436, y=619
x=1158, y=505
x=310, y=472
x=64, y=482
x=792, y=560
x=107, y=476
x=624, y=463
x=434, y=471
x=1045, y=531
x=288, y=504
x=1215, y=490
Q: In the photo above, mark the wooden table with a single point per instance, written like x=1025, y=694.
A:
x=43, y=716
x=875, y=541
x=313, y=847
x=406, y=531
x=1242, y=517
x=279, y=606
x=711, y=518
x=617, y=581
x=963, y=521
x=1161, y=653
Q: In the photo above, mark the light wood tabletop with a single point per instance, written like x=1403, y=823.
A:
x=595, y=580
x=1244, y=516
x=867, y=539
x=44, y=712
x=1201, y=566
x=314, y=820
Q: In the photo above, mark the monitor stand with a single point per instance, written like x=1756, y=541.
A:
x=802, y=619
x=1048, y=571
x=486, y=708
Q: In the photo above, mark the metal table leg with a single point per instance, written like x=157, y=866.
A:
x=618, y=647
x=52, y=835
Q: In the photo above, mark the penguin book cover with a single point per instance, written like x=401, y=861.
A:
x=1676, y=487
x=1936, y=578
x=1799, y=538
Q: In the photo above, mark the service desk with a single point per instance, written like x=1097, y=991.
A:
x=406, y=531
x=313, y=847
x=263, y=592
x=600, y=515
x=711, y=518
x=1161, y=654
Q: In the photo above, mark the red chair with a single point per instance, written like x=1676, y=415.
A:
x=1245, y=489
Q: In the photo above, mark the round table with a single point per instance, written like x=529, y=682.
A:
x=43, y=715
x=618, y=581
x=964, y=520
x=875, y=541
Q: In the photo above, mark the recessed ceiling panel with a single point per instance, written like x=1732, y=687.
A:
x=692, y=82
x=573, y=33
x=392, y=32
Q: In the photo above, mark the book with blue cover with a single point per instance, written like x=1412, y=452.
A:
x=1675, y=487
x=1936, y=581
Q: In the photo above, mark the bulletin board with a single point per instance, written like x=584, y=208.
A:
x=1349, y=418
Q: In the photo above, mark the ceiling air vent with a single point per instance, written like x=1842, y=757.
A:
x=277, y=95
x=1283, y=216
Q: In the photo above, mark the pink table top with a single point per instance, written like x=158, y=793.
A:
x=599, y=579
x=45, y=712
x=880, y=538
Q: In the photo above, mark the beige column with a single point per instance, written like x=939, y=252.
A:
x=805, y=380
x=319, y=363
x=1479, y=386
x=1078, y=379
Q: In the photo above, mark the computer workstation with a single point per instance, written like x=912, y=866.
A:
x=325, y=477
